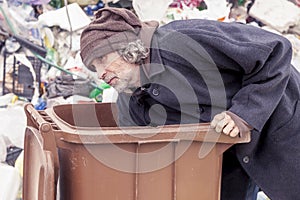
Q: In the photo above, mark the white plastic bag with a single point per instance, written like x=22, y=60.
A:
x=3, y=151
x=9, y=182
x=151, y=9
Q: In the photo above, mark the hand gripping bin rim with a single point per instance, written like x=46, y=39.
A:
x=84, y=177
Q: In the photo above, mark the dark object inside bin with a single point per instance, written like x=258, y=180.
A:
x=12, y=155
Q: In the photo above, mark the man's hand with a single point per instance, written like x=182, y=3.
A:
x=223, y=123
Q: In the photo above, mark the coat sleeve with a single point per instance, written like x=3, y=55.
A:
x=264, y=82
x=264, y=61
x=261, y=58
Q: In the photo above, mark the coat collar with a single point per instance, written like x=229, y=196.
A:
x=148, y=36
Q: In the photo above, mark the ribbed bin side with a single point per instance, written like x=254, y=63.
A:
x=198, y=179
x=85, y=174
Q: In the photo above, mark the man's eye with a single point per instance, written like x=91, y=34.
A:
x=101, y=59
x=92, y=68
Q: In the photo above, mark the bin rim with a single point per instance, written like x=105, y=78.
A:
x=176, y=132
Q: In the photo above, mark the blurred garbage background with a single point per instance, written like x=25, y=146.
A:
x=40, y=62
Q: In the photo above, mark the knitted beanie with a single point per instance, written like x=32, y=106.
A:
x=110, y=27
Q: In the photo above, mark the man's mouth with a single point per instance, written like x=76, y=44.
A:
x=110, y=81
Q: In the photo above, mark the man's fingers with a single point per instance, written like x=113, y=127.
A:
x=228, y=127
x=222, y=123
x=234, y=132
x=217, y=118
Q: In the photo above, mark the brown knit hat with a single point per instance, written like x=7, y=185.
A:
x=110, y=27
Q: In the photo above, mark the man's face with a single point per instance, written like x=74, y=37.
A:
x=116, y=72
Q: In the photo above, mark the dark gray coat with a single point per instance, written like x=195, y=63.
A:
x=200, y=68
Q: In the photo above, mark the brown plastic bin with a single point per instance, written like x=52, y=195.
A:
x=95, y=159
x=38, y=168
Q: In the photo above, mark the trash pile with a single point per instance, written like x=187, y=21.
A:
x=41, y=62
x=280, y=16
x=39, y=43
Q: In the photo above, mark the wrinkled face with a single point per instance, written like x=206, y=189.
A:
x=116, y=72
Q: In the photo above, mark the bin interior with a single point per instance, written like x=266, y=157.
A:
x=87, y=115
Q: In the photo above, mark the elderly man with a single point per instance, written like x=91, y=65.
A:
x=236, y=76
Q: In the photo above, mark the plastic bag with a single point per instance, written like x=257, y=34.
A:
x=66, y=86
x=151, y=9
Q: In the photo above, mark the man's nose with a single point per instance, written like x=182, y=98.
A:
x=102, y=75
x=100, y=72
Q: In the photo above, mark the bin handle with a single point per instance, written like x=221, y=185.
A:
x=36, y=119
